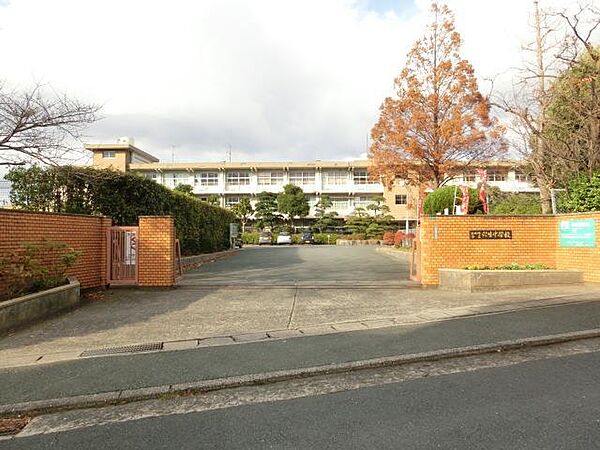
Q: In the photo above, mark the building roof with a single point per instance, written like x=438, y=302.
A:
x=281, y=165
x=250, y=165
x=131, y=148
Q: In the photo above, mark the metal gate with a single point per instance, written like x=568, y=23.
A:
x=415, y=258
x=122, y=260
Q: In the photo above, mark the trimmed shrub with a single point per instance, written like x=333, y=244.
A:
x=388, y=238
x=443, y=198
x=375, y=230
x=516, y=204
x=511, y=266
x=200, y=227
x=326, y=238
x=398, y=238
x=354, y=237
x=250, y=238
x=35, y=267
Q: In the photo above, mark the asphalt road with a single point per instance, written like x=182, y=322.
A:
x=97, y=375
x=308, y=263
x=550, y=404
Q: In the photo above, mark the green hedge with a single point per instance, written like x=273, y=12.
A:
x=320, y=238
x=326, y=238
x=250, y=238
x=515, y=204
x=583, y=195
x=443, y=197
x=200, y=227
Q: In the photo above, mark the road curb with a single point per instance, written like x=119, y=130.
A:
x=308, y=331
x=132, y=395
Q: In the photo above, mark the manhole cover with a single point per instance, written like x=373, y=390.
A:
x=124, y=349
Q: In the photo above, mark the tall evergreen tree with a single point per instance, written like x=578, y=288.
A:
x=292, y=202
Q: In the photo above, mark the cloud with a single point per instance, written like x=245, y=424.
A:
x=274, y=79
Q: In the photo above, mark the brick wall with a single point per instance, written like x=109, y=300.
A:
x=445, y=243
x=585, y=259
x=86, y=234
x=156, y=252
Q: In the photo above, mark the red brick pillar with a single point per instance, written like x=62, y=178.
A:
x=105, y=224
x=156, y=251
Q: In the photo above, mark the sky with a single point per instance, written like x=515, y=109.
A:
x=270, y=79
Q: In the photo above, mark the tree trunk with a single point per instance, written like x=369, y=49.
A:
x=545, y=196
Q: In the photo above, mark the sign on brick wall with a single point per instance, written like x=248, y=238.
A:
x=577, y=233
x=490, y=234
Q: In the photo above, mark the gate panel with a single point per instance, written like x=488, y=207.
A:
x=122, y=258
x=415, y=257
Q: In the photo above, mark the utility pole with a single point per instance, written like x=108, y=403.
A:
x=172, y=153
x=229, y=153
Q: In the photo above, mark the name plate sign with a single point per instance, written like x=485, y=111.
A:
x=490, y=234
x=577, y=233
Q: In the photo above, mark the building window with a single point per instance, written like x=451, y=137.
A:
x=340, y=202
x=207, y=178
x=496, y=176
x=401, y=199
x=300, y=177
x=238, y=178
x=175, y=178
x=108, y=154
x=270, y=178
x=469, y=177
x=522, y=177
x=336, y=177
x=361, y=201
x=362, y=177
x=232, y=200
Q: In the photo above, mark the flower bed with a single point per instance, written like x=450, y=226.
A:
x=474, y=280
x=512, y=266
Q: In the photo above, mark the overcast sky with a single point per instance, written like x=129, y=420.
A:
x=273, y=79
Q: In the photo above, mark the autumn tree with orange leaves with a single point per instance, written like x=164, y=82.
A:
x=439, y=123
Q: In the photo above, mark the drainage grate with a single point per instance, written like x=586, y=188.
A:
x=125, y=349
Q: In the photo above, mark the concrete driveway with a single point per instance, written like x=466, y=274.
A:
x=302, y=264
x=287, y=290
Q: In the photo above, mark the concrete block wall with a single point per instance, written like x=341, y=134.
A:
x=156, y=251
x=445, y=243
x=86, y=234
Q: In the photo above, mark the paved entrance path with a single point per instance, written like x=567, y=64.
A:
x=302, y=264
x=352, y=288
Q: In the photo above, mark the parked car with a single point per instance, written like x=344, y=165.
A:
x=284, y=238
x=307, y=238
x=265, y=238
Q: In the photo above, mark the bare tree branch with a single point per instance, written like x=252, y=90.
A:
x=560, y=39
x=41, y=126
